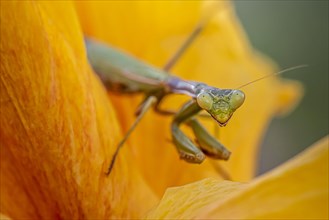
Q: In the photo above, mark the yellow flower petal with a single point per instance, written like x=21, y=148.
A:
x=186, y=201
x=58, y=130
x=221, y=56
x=4, y=217
x=296, y=190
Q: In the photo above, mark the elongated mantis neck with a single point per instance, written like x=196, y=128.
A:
x=179, y=86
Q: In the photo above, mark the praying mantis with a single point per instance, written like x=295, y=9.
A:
x=125, y=74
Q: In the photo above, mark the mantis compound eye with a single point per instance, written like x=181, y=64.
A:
x=205, y=100
x=236, y=99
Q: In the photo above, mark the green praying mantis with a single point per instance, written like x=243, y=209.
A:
x=125, y=74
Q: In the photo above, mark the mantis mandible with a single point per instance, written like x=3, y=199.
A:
x=125, y=74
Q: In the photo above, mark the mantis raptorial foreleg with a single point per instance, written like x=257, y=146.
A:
x=209, y=145
x=148, y=103
x=187, y=150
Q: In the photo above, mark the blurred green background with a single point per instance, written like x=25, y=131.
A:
x=292, y=33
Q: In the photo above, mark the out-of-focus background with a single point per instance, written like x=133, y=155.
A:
x=292, y=33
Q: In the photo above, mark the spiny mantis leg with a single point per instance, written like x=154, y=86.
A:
x=146, y=105
x=187, y=150
x=170, y=112
x=209, y=145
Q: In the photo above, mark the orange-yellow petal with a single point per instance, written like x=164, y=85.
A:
x=58, y=129
x=296, y=190
x=186, y=201
x=4, y=217
x=221, y=56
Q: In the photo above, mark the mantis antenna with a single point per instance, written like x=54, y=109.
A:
x=273, y=74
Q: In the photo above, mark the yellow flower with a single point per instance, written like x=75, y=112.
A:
x=59, y=129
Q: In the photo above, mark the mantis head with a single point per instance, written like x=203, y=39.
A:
x=220, y=103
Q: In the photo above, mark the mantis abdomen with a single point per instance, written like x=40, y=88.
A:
x=123, y=73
